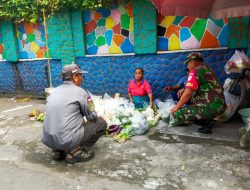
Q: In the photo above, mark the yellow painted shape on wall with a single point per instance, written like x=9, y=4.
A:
x=17, y=34
x=34, y=47
x=110, y=23
x=131, y=25
x=167, y=21
x=174, y=42
x=114, y=49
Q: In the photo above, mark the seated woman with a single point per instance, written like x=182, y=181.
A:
x=139, y=91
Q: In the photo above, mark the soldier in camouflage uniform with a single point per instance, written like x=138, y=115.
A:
x=205, y=91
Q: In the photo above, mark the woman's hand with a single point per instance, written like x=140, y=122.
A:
x=151, y=104
x=131, y=101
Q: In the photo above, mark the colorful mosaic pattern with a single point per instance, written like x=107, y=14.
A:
x=109, y=31
x=31, y=41
x=238, y=32
x=2, y=52
x=177, y=32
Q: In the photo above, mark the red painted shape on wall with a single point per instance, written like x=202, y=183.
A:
x=209, y=41
x=187, y=22
x=1, y=48
x=117, y=29
x=90, y=26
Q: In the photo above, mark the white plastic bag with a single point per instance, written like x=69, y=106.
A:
x=139, y=124
x=231, y=102
x=248, y=124
x=165, y=107
x=237, y=62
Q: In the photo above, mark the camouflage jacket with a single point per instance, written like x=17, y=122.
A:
x=209, y=89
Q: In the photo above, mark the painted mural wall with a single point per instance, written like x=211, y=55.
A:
x=2, y=52
x=109, y=31
x=178, y=32
x=31, y=41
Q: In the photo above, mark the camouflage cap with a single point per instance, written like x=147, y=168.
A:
x=194, y=56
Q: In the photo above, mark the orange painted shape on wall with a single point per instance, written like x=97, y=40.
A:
x=209, y=41
x=118, y=39
x=129, y=7
x=97, y=16
x=28, y=28
x=172, y=29
x=117, y=29
x=1, y=48
x=90, y=26
x=39, y=54
x=177, y=31
x=225, y=20
x=187, y=22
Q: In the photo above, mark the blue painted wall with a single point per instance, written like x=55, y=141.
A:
x=7, y=78
x=110, y=74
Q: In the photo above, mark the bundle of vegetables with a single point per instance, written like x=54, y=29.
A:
x=125, y=133
x=37, y=114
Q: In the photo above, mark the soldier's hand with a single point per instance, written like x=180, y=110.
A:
x=173, y=110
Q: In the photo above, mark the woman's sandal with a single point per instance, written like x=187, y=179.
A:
x=79, y=155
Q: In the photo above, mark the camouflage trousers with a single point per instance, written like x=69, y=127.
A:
x=191, y=113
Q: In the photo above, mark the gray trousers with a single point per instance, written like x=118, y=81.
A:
x=92, y=132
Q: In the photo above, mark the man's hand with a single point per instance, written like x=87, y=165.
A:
x=173, y=110
x=168, y=88
x=180, y=92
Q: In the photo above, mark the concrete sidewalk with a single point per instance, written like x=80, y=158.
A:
x=164, y=158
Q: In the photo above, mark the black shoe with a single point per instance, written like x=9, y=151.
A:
x=58, y=155
x=207, y=129
x=79, y=156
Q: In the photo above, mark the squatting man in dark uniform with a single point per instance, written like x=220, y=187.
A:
x=71, y=126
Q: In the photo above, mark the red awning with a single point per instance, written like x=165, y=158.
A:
x=203, y=8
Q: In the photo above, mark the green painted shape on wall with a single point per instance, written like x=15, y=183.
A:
x=8, y=31
x=4, y=54
x=101, y=22
x=198, y=28
x=125, y=21
x=91, y=38
x=100, y=41
x=54, y=37
x=238, y=32
x=61, y=43
x=78, y=33
x=248, y=40
x=31, y=37
x=145, y=29
x=177, y=20
x=122, y=10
